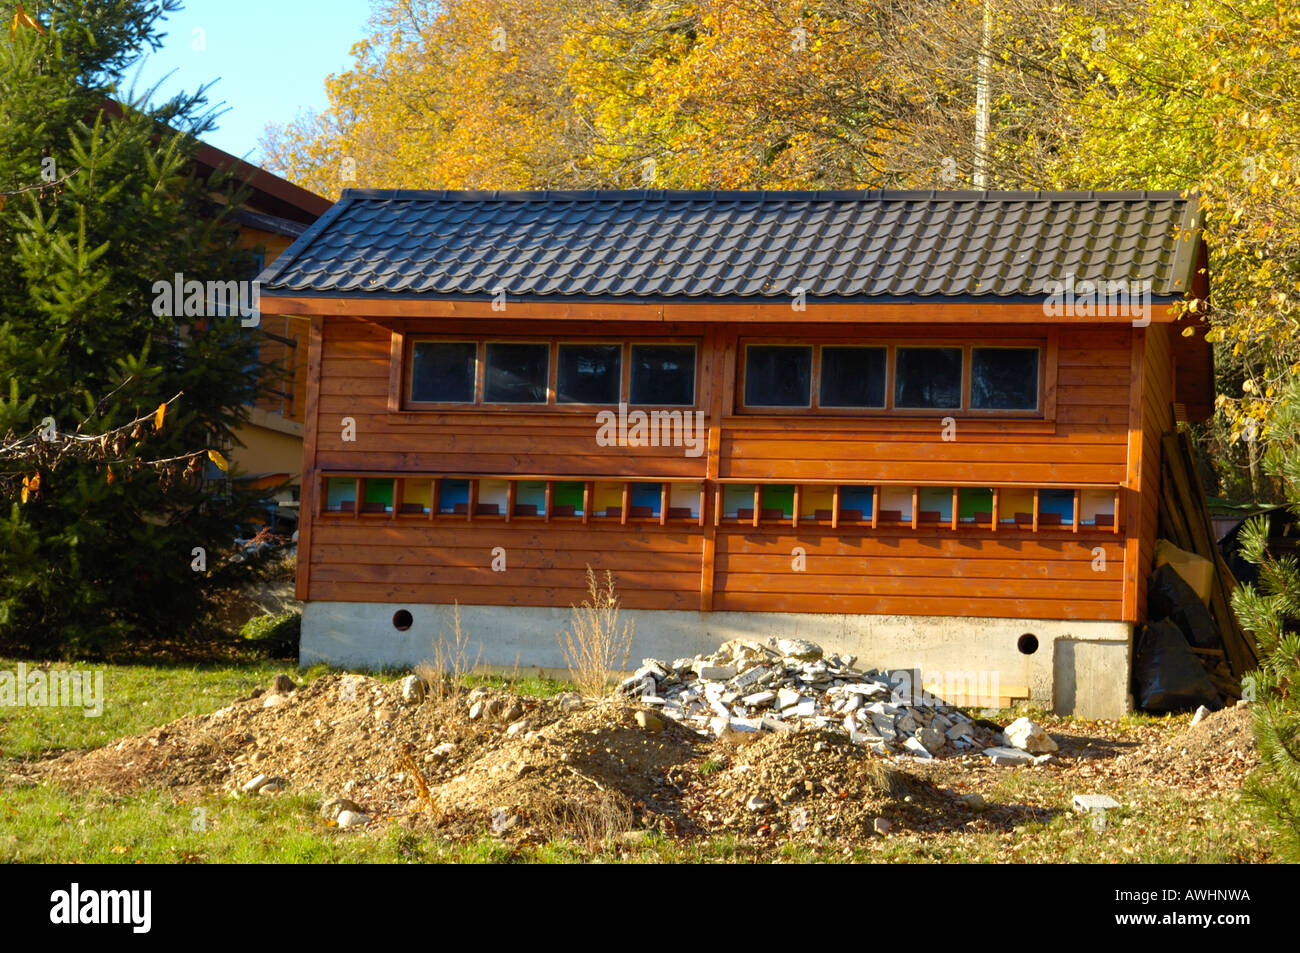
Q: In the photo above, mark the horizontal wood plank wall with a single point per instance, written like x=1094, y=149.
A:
x=976, y=574
x=928, y=570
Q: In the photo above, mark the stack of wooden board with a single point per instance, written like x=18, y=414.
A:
x=1185, y=520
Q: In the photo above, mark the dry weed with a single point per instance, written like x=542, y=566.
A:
x=596, y=645
x=447, y=673
x=593, y=824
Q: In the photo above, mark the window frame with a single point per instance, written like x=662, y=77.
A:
x=963, y=386
x=814, y=376
x=1045, y=343
x=408, y=377
x=997, y=411
x=557, y=343
x=695, y=371
x=856, y=409
x=480, y=388
x=402, y=368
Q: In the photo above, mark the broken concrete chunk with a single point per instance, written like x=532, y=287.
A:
x=1009, y=756
x=1029, y=736
x=715, y=673
x=799, y=649
x=915, y=746
x=931, y=739
x=1094, y=802
x=788, y=698
x=748, y=679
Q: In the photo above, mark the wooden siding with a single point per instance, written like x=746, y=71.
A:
x=929, y=570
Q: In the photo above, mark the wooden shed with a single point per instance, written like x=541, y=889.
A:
x=921, y=427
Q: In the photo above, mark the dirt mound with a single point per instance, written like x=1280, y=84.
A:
x=521, y=767
x=341, y=734
x=1219, y=751
x=810, y=781
x=595, y=767
x=1225, y=734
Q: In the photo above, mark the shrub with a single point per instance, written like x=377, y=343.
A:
x=279, y=635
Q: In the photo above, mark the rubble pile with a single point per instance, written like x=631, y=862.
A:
x=789, y=684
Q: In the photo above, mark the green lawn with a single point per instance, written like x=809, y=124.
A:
x=137, y=698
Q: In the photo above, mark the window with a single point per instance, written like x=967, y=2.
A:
x=443, y=372
x=1004, y=378
x=778, y=376
x=853, y=377
x=589, y=374
x=928, y=378
x=663, y=374
x=516, y=373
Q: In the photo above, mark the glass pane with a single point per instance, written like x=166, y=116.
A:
x=442, y=372
x=516, y=373
x=928, y=377
x=589, y=373
x=853, y=377
x=1004, y=378
x=777, y=376
x=663, y=374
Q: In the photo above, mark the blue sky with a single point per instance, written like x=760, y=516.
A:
x=269, y=58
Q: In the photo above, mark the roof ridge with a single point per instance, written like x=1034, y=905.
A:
x=740, y=195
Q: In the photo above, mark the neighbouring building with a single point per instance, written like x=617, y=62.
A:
x=267, y=450
x=920, y=427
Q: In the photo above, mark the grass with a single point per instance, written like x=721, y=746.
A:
x=136, y=698
x=48, y=824
x=45, y=824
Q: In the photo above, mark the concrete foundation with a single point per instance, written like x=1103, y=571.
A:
x=1078, y=668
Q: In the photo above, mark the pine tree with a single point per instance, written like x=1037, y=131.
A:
x=100, y=201
x=1272, y=611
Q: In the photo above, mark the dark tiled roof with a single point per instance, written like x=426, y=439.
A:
x=737, y=245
